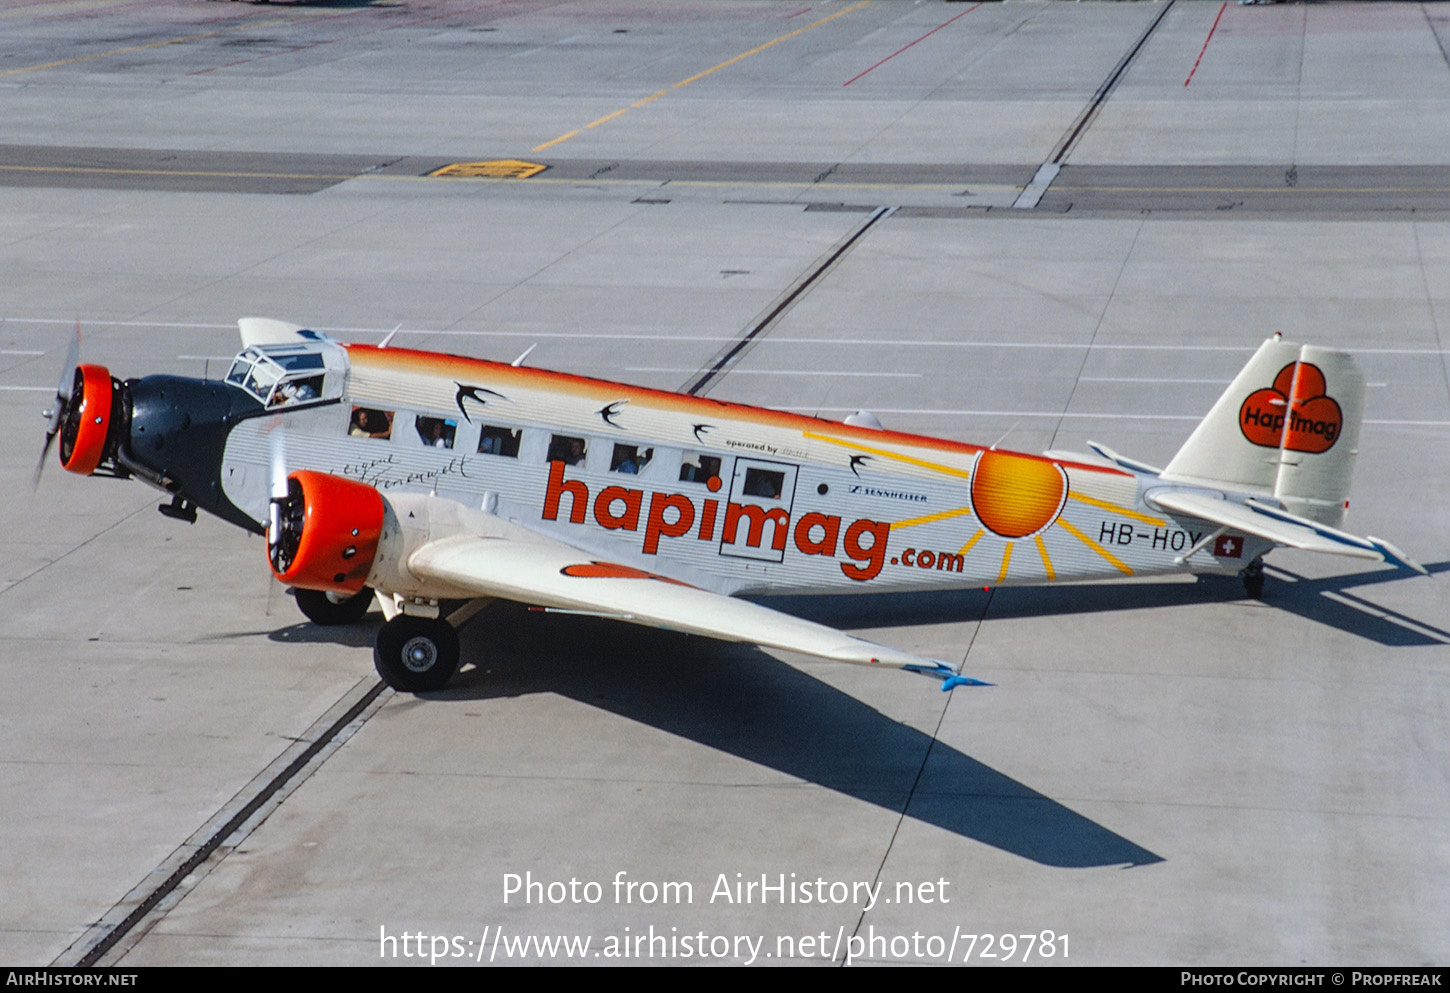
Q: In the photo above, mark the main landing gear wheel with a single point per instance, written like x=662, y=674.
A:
x=416, y=654
x=329, y=609
x=1253, y=577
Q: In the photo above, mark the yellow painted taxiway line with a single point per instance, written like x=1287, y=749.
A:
x=701, y=75
x=101, y=171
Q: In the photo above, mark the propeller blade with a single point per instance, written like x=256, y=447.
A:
x=64, y=393
x=72, y=359
x=277, y=452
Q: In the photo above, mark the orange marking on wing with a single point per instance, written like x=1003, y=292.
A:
x=608, y=570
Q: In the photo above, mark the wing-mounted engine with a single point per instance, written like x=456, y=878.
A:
x=323, y=535
x=338, y=535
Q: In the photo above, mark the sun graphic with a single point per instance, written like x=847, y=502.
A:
x=1015, y=495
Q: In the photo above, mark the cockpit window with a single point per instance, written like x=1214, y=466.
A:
x=297, y=389
x=263, y=377
x=279, y=376
x=292, y=363
x=239, y=371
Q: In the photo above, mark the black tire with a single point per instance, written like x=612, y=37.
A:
x=1253, y=577
x=323, y=608
x=416, y=654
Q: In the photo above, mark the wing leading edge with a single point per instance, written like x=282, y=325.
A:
x=536, y=570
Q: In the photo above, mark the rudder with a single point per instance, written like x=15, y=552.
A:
x=1287, y=427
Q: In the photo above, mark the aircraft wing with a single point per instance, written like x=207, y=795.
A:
x=1272, y=524
x=551, y=574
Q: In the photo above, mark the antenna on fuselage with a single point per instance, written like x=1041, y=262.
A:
x=388, y=338
x=520, y=360
x=993, y=446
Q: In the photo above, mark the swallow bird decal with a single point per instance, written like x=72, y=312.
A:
x=472, y=393
x=610, y=411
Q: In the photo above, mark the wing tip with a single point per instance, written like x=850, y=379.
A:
x=1394, y=556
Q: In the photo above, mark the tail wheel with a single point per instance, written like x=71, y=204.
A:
x=1253, y=577
x=416, y=654
x=330, y=609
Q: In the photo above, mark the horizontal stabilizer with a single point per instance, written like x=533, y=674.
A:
x=1265, y=521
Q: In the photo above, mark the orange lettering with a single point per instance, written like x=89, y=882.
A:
x=830, y=525
x=871, y=557
x=656, y=524
x=757, y=517
x=604, y=508
x=578, y=495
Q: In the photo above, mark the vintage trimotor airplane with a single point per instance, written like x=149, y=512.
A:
x=414, y=478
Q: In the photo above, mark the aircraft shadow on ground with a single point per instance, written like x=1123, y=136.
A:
x=1325, y=601
x=741, y=701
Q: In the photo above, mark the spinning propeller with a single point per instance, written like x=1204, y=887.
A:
x=64, y=392
x=86, y=405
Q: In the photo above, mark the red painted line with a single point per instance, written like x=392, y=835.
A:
x=922, y=38
x=798, y=13
x=1205, y=43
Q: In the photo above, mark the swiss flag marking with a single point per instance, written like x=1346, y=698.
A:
x=1228, y=546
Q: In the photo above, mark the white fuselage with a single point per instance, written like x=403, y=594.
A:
x=730, y=498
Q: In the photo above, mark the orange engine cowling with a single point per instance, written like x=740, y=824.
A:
x=88, y=423
x=324, y=534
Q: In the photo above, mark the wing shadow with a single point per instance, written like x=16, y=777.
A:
x=741, y=701
x=1324, y=601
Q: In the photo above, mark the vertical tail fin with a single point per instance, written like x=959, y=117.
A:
x=1287, y=427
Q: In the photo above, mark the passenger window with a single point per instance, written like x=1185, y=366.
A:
x=436, y=432
x=370, y=423
x=629, y=459
x=499, y=441
x=570, y=451
x=698, y=468
x=764, y=483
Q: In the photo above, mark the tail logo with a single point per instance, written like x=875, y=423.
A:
x=1295, y=414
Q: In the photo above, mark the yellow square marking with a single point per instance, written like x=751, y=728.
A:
x=492, y=169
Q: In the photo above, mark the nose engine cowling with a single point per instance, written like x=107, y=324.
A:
x=90, y=431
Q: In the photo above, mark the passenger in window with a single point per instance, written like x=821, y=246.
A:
x=699, y=469
x=436, y=432
x=629, y=459
x=498, y=441
x=568, y=450
x=369, y=423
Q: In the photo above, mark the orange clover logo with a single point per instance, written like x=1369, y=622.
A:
x=1295, y=412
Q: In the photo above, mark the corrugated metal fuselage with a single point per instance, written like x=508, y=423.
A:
x=730, y=498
